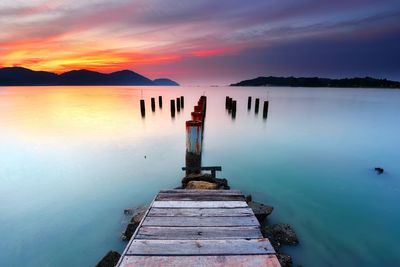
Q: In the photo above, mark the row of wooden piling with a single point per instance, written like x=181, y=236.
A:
x=257, y=106
x=230, y=105
x=194, y=136
x=180, y=103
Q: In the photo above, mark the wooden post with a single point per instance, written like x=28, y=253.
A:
x=233, y=108
x=230, y=104
x=178, y=104
x=142, y=107
x=265, y=109
x=160, y=101
x=257, y=105
x=249, y=103
x=182, y=102
x=226, y=102
x=153, y=104
x=172, y=107
x=193, y=146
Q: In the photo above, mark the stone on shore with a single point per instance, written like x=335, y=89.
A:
x=221, y=183
x=249, y=198
x=260, y=210
x=109, y=260
x=134, y=222
x=280, y=234
x=201, y=185
x=284, y=259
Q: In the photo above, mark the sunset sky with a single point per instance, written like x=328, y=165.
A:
x=204, y=41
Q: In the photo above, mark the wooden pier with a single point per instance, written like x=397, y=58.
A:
x=199, y=228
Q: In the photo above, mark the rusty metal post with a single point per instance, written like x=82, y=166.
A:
x=160, y=101
x=182, y=102
x=249, y=103
x=197, y=116
x=142, y=107
x=257, y=105
x=204, y=101
x=153, y=104
x=265, y=109
x=193, y=146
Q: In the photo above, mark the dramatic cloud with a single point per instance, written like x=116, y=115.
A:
x=204, y=41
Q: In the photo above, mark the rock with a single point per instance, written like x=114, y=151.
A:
x=109, y=260
x=379, y=170
x=260, y=210
x=201, y=185
x=128, y=211
x=134, y=222
x=284, y=259
x=249, y=198
x=280, y=234
x=222, y=183
x=129, y=231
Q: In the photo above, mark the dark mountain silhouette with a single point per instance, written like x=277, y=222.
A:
x=11, y=76
x=23, y=76
x=165, y=82
x=366, y=82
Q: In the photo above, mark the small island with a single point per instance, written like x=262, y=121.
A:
x=18, y=76
x=366, y=82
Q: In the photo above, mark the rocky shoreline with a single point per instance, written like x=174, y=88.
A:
x=279, y=235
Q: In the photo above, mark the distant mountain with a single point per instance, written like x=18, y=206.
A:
x=14, y=76
x=165, y=82
x=23, y=76
x=366, y=82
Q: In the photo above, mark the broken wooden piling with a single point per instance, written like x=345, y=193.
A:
x=265, y=109
x=160, y=101
x=142, y=107
x=153, y=104
x=249, y=103
x=172, y=107
x=257, y=105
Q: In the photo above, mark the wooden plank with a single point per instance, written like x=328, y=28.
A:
x=199, y=197
x=201, y=221
x=201, y=247
x=197, y=191
x=199, y=204
x=210, y=168
x=201, y=261
x=188, y=212
x=190, y=233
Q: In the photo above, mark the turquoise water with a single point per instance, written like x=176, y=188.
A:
x=72, y=158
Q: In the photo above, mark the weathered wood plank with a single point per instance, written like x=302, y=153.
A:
x=201, y=212
x=201, y=221
x=201, y=261
x=201, y=247
x=208, y=168
x=199, y=197
x=191, y=233
x=199, y=204
x=197, y=191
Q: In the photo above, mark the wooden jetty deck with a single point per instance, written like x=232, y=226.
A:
x=199, y=228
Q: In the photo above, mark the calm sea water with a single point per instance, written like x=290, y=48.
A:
x=72, y=158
